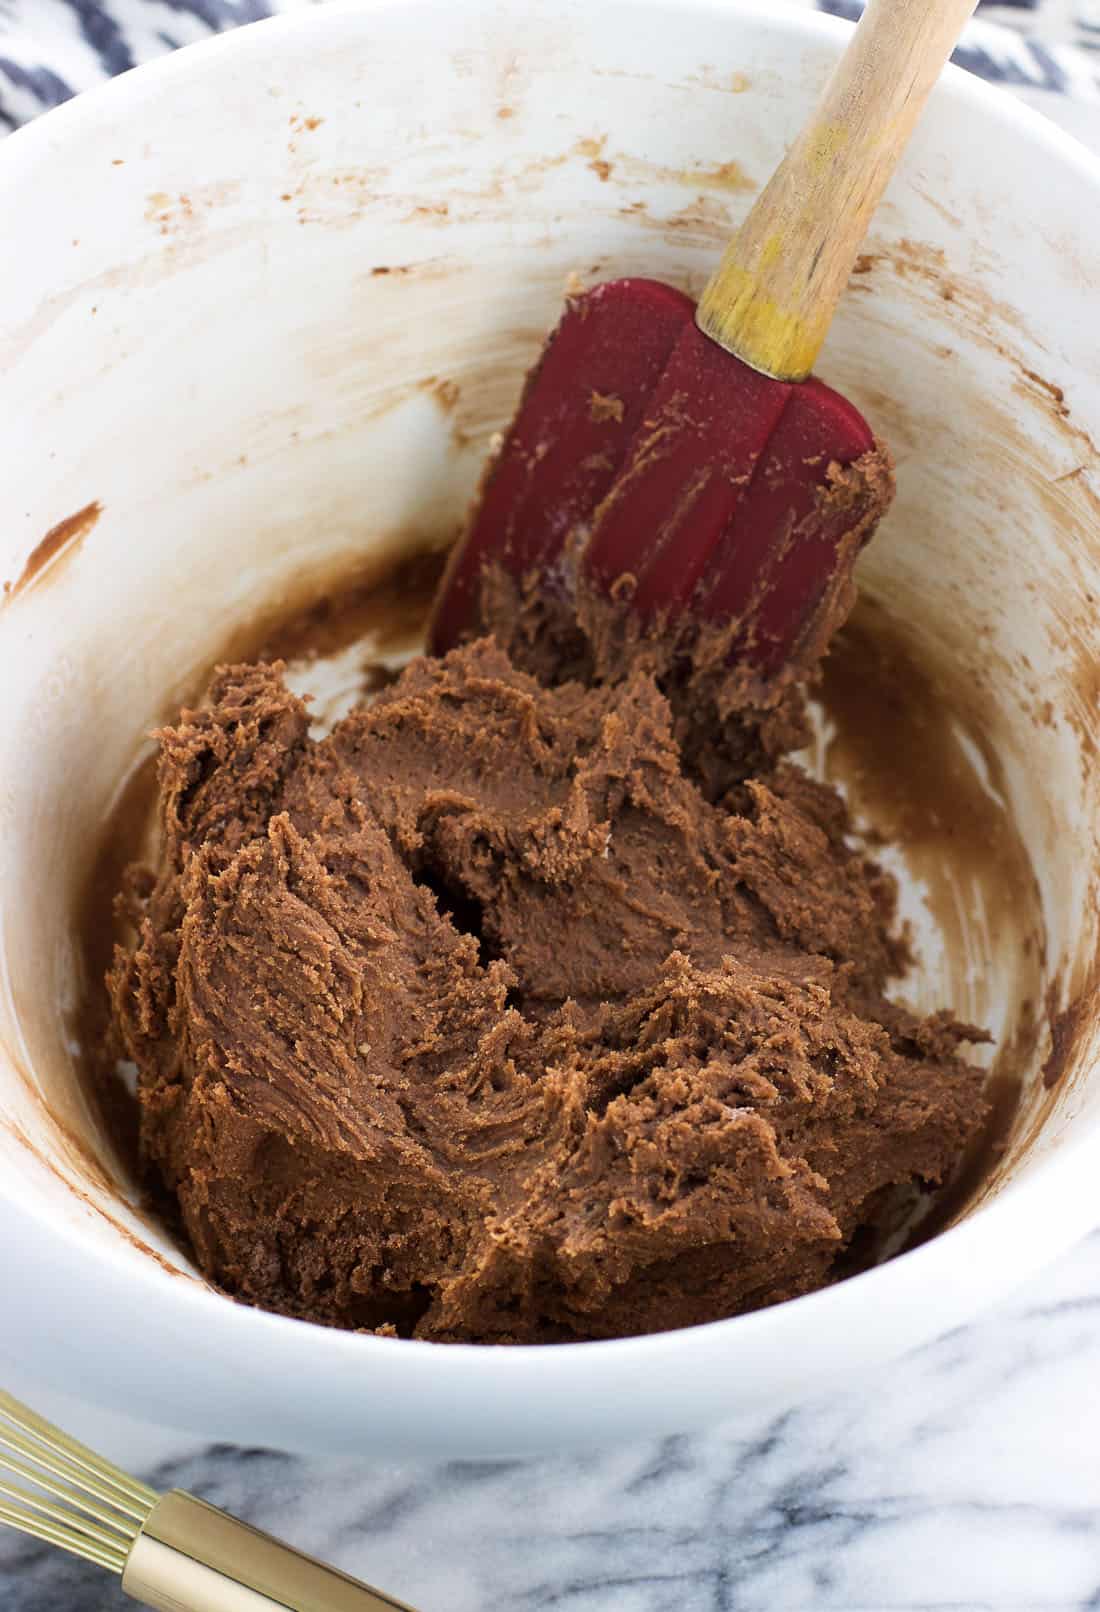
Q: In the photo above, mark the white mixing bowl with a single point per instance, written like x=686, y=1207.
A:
x=196, y=335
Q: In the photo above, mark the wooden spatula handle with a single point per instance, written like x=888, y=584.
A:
x=773, y=296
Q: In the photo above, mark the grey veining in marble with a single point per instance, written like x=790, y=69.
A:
x=966, y=1478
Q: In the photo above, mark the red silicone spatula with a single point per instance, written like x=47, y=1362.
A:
x=689, y=448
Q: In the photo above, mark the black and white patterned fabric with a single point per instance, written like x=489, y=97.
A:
x=1048, y=46
x=51, y=49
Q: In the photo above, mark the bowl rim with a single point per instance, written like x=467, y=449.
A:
x=1064, y=1176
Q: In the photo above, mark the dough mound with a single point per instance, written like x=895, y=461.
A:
x=482, y=1019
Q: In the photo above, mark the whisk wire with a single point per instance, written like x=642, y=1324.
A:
x=89, y=1526
x=102, y=1508
x=66, y=1534
x=65, y=1480
x=78, y=1454
x=120, y=1525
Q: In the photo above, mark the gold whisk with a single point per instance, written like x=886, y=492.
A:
x=173, y=1553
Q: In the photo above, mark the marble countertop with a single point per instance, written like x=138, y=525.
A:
x=965, y=1478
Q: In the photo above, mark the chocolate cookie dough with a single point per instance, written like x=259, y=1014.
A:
x=517, y=1009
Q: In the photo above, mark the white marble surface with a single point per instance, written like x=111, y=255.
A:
x=966, y=1478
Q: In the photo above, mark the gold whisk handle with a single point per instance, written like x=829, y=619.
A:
x=190, y=1557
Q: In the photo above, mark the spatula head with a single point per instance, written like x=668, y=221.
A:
x=646, y=460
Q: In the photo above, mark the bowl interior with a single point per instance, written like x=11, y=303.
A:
x=248, y=357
